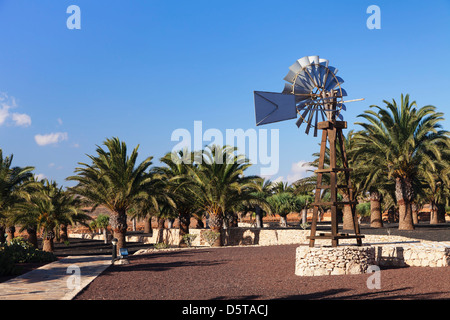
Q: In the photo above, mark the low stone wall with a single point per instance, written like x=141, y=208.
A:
x=231, y=236
x=320, y=261
x=325, y=260
x=422, y=254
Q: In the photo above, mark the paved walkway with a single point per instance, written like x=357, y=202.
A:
x=59, y=280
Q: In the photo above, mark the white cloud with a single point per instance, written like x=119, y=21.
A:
x=51, y=138
x=7, y=103
x=40, y=176
x=4, y=113
x=21, y=119
x=60, y=122
x=299, y=170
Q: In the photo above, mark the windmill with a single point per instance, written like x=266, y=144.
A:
x=313, y=90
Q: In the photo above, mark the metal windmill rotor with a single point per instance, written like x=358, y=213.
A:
x=311, y=89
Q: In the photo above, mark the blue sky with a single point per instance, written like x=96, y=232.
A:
x=139, y=70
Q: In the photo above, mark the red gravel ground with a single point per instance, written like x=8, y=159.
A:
x=252, y=273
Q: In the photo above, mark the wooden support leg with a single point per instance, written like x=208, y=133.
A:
x=313, y=226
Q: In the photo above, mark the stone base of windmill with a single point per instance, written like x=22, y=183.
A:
x=327, y=260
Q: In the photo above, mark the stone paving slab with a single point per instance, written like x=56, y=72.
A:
x=59, y=280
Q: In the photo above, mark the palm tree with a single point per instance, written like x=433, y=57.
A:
x=404, y=142
x=282, y=203
x=219, y=184
x=178, y=166
x=46, y=209
x=114, y=180
x=437, y=188
x=266, y=191
x=14, y=182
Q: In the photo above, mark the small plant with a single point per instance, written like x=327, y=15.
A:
x=161, y=245
x=211, y=236
x=305, y=225
x=189, y=239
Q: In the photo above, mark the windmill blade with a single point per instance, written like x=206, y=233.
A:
x=290, y=77
x=333, y=69
x=315, y=123
x=328, y=75
x=323, y=70
x=343, y=107
x=299, y=92
x=323, y=62
x=308, y=74
x=335, y=81
x=287, y=88
x=313, y=60
x=344, y=93
x=308, y=126
x=305, y=103
x=304, y=80
x=340, y=116
x=295, y=67
x=304, y=62
x=302, y=117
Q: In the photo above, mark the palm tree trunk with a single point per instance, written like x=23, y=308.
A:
x=376, y=217
x=441, y=212
x=10, y=230
x=32, y=237
x=283, y=221
x=216, y=223
x=347, y=217
x=258, y=217
x=48, y=244
x=433, y=213
x=63, y=237
x=185, y=220
x=148, y=225
x=160, y=235
x=404, y=194
x=118, y=222
x=2, y=233
x=415, y=212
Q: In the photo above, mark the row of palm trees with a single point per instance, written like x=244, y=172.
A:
x=36, y=206
x=401, y=158
x=210, y=182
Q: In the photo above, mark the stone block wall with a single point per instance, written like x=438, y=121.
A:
x=319, y=261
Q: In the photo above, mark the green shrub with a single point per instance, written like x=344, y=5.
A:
x=189, y=238
x=7, y=265
x=305, y=225
x=363, y=209
x=210, y=236
x=21, y=251
x=161, y=245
